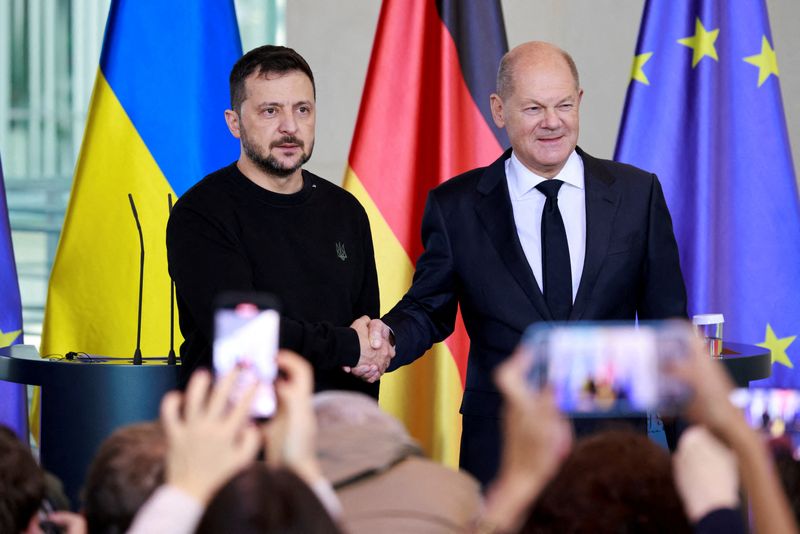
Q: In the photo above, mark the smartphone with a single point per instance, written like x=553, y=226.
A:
x=246, y=329
x=773, y=412
x=610, y=369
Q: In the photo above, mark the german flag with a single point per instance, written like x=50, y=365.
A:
x=424, y=118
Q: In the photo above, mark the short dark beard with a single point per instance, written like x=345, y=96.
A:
x=269, y=164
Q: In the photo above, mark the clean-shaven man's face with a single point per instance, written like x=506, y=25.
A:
x=540, y=113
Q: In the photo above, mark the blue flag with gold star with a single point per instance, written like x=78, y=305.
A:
x=13, y=401
x=704, y=112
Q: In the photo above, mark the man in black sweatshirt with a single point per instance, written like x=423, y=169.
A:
x=265, y=224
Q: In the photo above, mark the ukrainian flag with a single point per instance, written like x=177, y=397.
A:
x=155, y=126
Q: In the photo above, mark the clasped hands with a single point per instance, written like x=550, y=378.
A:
x=376, y=344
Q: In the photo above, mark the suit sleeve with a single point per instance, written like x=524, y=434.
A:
x=663, y=293
x=207, y=259
x=427, y=312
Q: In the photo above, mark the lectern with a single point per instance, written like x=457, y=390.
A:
x=746, y=362
x=83, y=402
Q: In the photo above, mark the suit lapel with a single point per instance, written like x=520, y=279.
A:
x=602, y=201
x=495, y=213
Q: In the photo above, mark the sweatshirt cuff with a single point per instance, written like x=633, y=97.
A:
x=728, y=520
x=348, y=347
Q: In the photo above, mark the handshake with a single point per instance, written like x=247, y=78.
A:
x=376, y=343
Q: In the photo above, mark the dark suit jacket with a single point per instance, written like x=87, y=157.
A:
x=473, y=257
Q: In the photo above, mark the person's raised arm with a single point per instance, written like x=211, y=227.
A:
x=291, y=434
x=536, y=438
x=706, y=477
x=711, y=407
x=208, y=441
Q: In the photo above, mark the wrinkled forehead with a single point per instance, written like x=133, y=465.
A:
x=292, y=85
x=543, y=83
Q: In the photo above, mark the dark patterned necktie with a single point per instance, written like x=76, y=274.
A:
x=556, y=272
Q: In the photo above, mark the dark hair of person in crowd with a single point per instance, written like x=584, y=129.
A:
x=614, y=481
x=264, y=60
x=126, y=470
x=263, y=500
x=789, y=472
x=22, y=484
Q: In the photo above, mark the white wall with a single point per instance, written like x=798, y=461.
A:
x=336, y=39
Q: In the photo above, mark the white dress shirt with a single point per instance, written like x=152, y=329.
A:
x=527, y=203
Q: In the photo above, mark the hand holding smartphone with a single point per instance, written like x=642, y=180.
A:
x=246, y=330
x=608, y=369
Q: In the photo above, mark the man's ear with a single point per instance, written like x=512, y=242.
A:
x=496, y=104
x=232, y=120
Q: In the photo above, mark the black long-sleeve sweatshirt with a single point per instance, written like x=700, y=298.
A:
x=311, y=249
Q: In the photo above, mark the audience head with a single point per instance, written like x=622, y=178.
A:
x=127, y=469
x=789, y=472
x=615, y=481
x=22, y=484
x=260, y=499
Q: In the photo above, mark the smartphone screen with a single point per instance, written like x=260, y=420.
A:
x=773, y=412
x=246, y=336
x=601, y=369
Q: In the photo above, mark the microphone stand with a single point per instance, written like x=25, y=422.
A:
x=137, y=354
x=171, y=359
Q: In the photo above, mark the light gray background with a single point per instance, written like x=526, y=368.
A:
x=336, y=39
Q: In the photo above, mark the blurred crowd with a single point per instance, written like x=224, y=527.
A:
x=335, y=462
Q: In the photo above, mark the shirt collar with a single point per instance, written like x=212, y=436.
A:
x=522, y=180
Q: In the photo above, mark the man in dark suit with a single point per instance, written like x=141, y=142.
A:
x=546, y=232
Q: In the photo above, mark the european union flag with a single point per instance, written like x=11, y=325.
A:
x=704, y=112
x=13, y=401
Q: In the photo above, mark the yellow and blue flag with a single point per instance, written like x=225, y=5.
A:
x=704, y=112
x=156, y=126
x=13, y=399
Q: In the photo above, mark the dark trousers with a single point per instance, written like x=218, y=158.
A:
x=481, y=440
x=480, y=447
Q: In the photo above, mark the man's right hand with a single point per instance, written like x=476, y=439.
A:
x=376, y=349
x=208, y=439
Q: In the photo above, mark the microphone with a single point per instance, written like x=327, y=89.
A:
x=171, y=359
x=137, y=354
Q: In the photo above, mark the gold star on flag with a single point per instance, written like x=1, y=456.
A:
x=701, y=43
x=766, y=61
x=777, y=347
x=7, y=338
x=636, y=71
